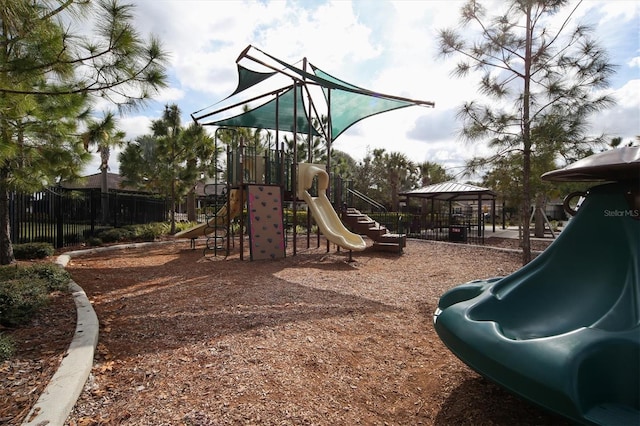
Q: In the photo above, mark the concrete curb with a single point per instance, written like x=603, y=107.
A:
x=60, y=395
x=58, y=398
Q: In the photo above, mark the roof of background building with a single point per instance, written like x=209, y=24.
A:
x=114, y=181
x=451, y=191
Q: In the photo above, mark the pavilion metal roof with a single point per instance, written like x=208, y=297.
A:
x=451, y=191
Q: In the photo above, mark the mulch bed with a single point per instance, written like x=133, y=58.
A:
x=309, y=339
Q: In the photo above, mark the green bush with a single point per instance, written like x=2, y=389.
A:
x=20, y=299
x=93, y=241
x=145, y=234
x=6, y=347
x=9, y=272
x=115, y=235
x=55, y=277
x=32, y=251
x=301, y=216
x=88, y=233
x=24, y=290
x=151, y=231
x=148, y=231
x=183, y=226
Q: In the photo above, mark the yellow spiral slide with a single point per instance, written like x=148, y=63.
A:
x=323, y=213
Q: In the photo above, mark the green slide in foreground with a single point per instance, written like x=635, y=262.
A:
x=564, y=330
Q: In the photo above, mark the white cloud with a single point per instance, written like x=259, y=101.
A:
x=623, y=120
x=169, y=95
x=628, y=96
x=390, y=47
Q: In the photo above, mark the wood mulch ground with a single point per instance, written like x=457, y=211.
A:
x=187, y=339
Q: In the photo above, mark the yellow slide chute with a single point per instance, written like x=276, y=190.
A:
x=325, y=216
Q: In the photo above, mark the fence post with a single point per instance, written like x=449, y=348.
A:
x=57, y=197
x=92, y=214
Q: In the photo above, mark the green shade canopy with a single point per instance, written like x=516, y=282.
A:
x=346, y=104
x=248, y=78
x=350, y=106
x=276, y=114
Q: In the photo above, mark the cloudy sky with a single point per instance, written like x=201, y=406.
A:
x=386, y=46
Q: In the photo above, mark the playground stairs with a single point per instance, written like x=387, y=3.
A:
x=383, y=240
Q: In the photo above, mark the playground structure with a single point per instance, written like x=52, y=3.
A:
x=564, y=330
x=246, y=182
x=291, y=107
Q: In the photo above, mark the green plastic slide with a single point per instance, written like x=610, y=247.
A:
x=563, y=331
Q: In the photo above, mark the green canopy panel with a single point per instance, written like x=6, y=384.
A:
x=346, y=103
x=248, y=78
x=349, y=107
x=277, y=114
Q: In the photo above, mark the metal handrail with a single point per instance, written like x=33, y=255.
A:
x=367, y=199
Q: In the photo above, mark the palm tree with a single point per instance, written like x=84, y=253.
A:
x=431, y=173
x=104, y=135
x=396, y=171
x=400, y=174
x=202, y=159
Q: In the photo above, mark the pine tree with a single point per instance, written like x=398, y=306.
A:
x=49, y=76
x=532, y=71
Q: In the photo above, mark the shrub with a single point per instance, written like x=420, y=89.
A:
x=114, y=235
x=93, y=241
x=151, y=231
x=55, y=277
x=87, y=233
x=32, y=251
x=20, y=299
x=24, y=290
x=9, y=272
x=6, y=347
x=182, y=226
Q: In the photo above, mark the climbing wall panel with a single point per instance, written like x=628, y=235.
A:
x=266, y=229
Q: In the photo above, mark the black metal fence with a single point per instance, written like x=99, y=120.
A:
x=65, y=217
x=455, y=227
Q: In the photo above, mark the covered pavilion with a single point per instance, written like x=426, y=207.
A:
x=451, y=192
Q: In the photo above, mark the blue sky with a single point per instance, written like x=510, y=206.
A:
x=386, y=46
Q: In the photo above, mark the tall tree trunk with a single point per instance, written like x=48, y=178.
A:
x=104, y=196
x=526, y=141
x=173, y=206
x=6, y=248
x=539, y=216
x=104, y=183
x=191, y=206
x=191, y=195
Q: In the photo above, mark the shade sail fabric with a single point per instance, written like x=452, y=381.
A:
x=346, y=104
x=248, y=78
x=279, y=113
x=349, y=107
